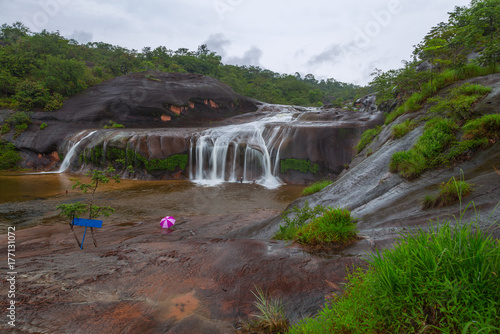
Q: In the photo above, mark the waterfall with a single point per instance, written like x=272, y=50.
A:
x=249, y=151
x=69, y=156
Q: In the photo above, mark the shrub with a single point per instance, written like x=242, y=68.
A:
x=335, y=226
x=315, y=187
x=43, y=126
x=450, y=193
x=367, y=137
x=444, y=280
x=9, y=157
x=400, y=130
x=299, y=217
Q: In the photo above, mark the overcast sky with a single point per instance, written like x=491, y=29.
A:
x=344, y=40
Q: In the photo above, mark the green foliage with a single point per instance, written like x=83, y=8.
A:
x=97, y=177
x=295, y=218
x=486, y=127
x=9, y=157
x=169, y=164
x=427, y=153
x=400, y=130
x=113, y=125
x=301, y=165
x=5, y=129
x=43, y=126
x=367, y=137
x=336, y=225
x=39, y=70
x=444, y=280
x=450, y=193
x=458, y=104
x=271, y=317
x=315, y=187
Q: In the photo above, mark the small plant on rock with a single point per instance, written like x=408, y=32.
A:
x=295, y=218
x=271, y=317
x=92, y=211
x=336, y=225
x=450, y=193
x=317, y=186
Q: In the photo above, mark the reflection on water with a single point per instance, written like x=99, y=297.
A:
x=30, y=199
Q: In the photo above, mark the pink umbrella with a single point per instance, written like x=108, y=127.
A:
x=167, y=222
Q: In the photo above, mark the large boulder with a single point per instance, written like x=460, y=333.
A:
x=140, y=100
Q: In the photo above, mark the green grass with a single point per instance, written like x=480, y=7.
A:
x=450, y=193
x=271, y=317
x=439, y=134
x=113, y=125
x=442, y=280
x=459, y=102
x=429, y=89
x=400, y=130
x=367, y=137
x=486, y=127
x=336, y=225
x=315, y=187
x=295, y=218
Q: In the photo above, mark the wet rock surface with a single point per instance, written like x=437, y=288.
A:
x=388, y=205
x=142, y=279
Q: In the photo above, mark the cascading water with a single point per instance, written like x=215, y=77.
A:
x=69, y=156
x=248, y=152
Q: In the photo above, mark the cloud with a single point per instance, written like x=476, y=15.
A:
x=250, y=57
x=219, y=43
x=81, y=36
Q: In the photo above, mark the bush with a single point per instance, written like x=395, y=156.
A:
x=300, y=216
x=450, y=193
x=367, y=137
x=315, y=187
x=400, y=130
x=9, y=157
x=444, y=280
x=335, y=226
x=43, y=126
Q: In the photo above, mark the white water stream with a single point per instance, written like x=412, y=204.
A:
x=69, y=156
x=246, y=152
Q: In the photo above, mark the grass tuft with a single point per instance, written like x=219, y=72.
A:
x=315, y=187
x=400, y=130
x=450, y=193
x=336, y=225
x=367, y=137
x=271, y=317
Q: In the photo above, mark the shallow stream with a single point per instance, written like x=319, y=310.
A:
x=31, y=199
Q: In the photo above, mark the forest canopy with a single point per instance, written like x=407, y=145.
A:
x=39, y=70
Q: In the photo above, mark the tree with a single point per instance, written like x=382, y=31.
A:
x=74, y=210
